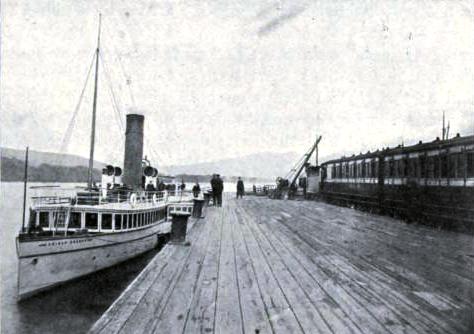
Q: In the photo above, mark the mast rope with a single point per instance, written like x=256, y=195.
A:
x=130, y=91
x=115, y=107
x=68, y=133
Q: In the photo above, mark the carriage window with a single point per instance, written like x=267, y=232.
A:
x=412, y=167
x=75, y=220
x=443, y=159
x=436, y=167
x=134, y=220
x=470, y=164
x=44, y=219
x=391, y=168
x=106, y=221
x=460, y=165
x=423, y=166
x=91, y=221
x=401, y=168
x=118, y=222
x=431, y=167
x=453, y=159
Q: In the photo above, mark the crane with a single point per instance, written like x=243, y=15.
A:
x=294, y=173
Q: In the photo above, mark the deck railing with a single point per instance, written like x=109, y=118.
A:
x=109, y=196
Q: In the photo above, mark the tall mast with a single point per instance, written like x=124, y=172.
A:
x=94, y=107
x=444, y=129
x=25, y=181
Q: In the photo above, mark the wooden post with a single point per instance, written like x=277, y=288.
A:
x=198, y=204
x=179, y=226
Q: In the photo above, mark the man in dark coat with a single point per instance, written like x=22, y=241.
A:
x=214, y=187
x=240, y=188
x=219, y=189
x=196, y=190
x=161, y=186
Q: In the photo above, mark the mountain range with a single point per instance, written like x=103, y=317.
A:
x=264, y=166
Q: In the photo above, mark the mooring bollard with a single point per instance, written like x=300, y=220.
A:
x=207, y=198
x=179, y=224
x=198, y=203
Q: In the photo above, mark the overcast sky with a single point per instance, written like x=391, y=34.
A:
x=226, y=78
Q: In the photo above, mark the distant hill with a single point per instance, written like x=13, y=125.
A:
x=12, y=170
x=264, y=165
x=46, y=166
x=36, y=158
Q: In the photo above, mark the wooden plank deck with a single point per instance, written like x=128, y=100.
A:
x=266, y=266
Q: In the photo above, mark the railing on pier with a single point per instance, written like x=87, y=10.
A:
x=262, y=190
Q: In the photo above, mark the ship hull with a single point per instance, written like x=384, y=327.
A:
x=44, y=264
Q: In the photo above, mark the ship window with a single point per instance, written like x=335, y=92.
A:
x=91, y=220
x=32, y=219
x=126, y=219
x=44, y=219
x=106, y=221
x=75, y=220
x=470, y=164
x=118, y=222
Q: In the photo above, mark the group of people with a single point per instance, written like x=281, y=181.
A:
x=217, y=187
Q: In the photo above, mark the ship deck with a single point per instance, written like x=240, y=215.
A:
x=266, y=266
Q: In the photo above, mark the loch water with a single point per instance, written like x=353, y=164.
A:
x=70, y=308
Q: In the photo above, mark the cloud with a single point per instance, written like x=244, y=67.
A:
x=280, y=20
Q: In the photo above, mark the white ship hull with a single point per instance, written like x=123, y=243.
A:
x=43, y=264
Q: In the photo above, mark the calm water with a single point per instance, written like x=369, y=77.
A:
x=71, y=308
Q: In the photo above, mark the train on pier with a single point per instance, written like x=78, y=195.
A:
x=429, y=182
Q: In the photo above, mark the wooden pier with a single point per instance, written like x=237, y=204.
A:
x=266, y=266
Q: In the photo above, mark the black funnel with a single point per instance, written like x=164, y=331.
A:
x=132, y=174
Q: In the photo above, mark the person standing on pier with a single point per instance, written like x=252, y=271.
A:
x=196, y=189
x=220, y=189
x=240, y=188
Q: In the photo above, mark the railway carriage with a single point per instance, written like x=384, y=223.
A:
x=429, y=182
